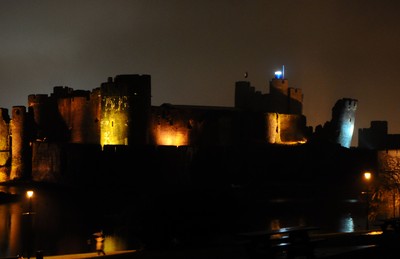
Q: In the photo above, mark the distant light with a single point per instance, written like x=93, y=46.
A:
x=367, y=176
x=278, y=74
x=29, y=194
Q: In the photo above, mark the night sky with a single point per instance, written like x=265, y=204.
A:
x=195, y=51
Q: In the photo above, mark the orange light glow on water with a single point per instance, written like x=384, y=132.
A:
x=293, y=142
x=375, y=233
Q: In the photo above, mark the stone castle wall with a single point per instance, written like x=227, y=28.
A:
x=5, y=149
x=119, y=114
x=285, y=128
x=20, y=145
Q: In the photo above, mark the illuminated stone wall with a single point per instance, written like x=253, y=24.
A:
x=173, y=127
x=389, y=160
x=286, y=129
x=343, y=120
x=115, y=120
x=389, y=172
x=20, y=146
x=125, y=110
x=181, y=125
x=81, y=115
x=5, y=153
x=119, y=113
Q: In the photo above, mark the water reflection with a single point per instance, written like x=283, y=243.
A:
x=59, y=224
x=347, y=224
x=10, y=225
x=65, y=220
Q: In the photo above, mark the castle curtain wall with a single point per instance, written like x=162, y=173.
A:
x=46, y=162
x=181, y=125
x=285, y=128
x=85, y=126
x=171, y=126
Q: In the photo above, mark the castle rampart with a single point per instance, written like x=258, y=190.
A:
x=285, y=128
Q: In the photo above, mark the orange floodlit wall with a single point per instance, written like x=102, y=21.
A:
x=5, y=153
x=285, y=129
x=180, y=125
x=171, y=136
x=171, y=127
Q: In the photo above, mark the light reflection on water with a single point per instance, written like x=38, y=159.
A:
x=60, y=224
x=64, y=223
x=347, y=224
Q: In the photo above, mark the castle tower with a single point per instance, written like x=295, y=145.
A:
x=125, y=110
x=5, y=153
x=284, y=99
x=20, y=146
x=343, y=119
x=37, y=103
x=79, y=111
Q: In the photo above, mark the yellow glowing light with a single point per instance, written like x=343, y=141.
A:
x=29, y=194
x=375, y=233
x=293, y=142
x=367, y=176
x=114, y=129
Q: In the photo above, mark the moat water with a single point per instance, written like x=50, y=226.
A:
x=63, y=221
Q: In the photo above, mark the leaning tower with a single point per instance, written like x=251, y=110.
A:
x=343, y=119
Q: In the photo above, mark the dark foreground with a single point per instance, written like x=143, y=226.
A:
x=329, y=246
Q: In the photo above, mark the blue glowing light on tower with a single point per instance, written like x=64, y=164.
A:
x=278, y=74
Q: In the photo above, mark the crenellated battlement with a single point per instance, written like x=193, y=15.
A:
x=350, y=104
x=38, y=98
x=281, y=98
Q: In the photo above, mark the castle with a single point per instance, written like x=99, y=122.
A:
x=118, y=115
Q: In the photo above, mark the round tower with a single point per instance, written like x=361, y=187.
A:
x=19, y=143
x=38, y=104
x=278, y=91
x=5, y=154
